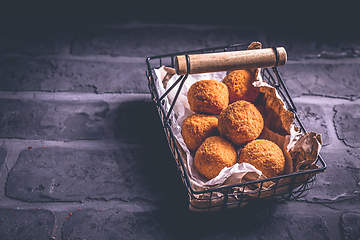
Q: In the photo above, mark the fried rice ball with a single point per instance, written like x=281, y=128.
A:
x=208, y=96
x=241, y=122
x=264, y=155
x=196, y=128
x=239, y=83
x=213, y=155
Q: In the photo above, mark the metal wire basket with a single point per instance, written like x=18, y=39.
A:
x=297, y=184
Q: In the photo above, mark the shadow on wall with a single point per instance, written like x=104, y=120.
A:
x=138, y=122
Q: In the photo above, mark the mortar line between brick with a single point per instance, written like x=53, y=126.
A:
x=7, y=156
x=119, y=59
x=114, y=97
x=70, y=96
x=321, y=100
x=63, y=206
x=128, y=59
x=335, y=143
x=103, y=144
x=325, y=61
x=86, y=58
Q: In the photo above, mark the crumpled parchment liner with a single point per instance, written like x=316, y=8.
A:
x=300, y=150
x=275, y=115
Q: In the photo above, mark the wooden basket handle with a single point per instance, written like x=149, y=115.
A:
x=229, y=61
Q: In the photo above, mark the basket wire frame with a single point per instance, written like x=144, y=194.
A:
x=272, y=76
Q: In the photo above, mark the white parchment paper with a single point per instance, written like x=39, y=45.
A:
x=182, y=110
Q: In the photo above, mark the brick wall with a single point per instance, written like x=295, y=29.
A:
x=76, y=111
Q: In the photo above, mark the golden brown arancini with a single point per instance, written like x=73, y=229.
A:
x=213, y=155
x=208, y=96
x=239, y=83
x=265, y=155
x=241, y=122
x=196, y=128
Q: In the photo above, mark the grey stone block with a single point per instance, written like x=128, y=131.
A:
x=350, y=226
x=47, y=74
x=131, y=172
x=52, y=120
x=328, y=80
x=347, y=124
x=259, y=221
x=341, y=180
x=26, y=224
x=2, y=156
x=301, y=46
x=112, y=224
x=297, y=226
x=313, y=118
x=21, y=118
x=151, y=40
x=34, y=39
x=120, y=224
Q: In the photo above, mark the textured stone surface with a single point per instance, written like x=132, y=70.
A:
x=48, y=74
x=329, y=80
x=341, y=179
x=52, y=120
x=307, y=226
x=26, y=224
x=34, y=39
x=64, y=174
x=313, y=118
x=114, y=176
x=112, y=224
x=301, y=46
x=2, y=156
x=347, y=124
x=21, y=118
x=138, y=122
x=159, y=40
x=350, y=225
x=255, y=221
x=116, y=223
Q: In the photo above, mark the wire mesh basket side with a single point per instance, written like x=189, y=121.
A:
x=233, y=196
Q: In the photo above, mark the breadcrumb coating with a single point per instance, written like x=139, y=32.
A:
x=265, y=155
x=241, y=122
x=196, y=128
x=208, y=96
x=213, y=155
x=239, y=83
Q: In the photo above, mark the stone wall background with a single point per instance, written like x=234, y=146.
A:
x=82, y=151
